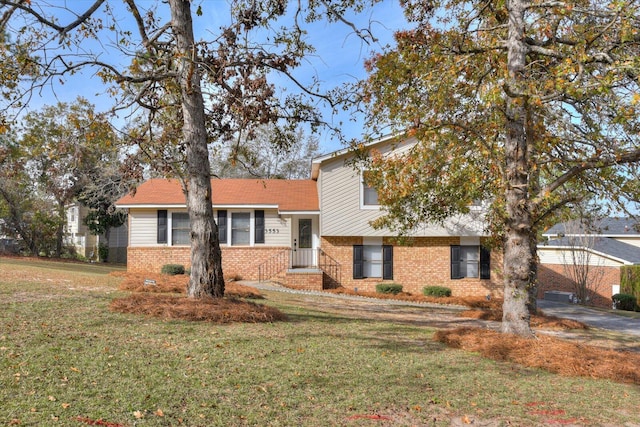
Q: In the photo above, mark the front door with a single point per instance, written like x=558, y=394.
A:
x=303, y=253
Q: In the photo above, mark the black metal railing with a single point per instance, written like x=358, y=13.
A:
x=331, y=268
x=273, y=265
x=302, y=258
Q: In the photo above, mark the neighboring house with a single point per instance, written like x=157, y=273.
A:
x=597, y=252
x=8, y=244
x=77, y=234
x=312, y=233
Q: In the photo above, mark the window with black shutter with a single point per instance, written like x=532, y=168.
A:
x=358, y=261
x=455, y=262
x=470, y=261
x=387, y=262
x=485, y=263
x=222, y=226
x=162, y=226
x=259, y=226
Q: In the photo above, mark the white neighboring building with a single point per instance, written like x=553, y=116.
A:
x=615, y=242
x=77, y=234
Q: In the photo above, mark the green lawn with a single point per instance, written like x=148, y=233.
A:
x=65, y=359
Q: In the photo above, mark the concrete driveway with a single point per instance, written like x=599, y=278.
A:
x=592, y=317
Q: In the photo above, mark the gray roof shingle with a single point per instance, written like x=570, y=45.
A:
x=605, y=227
x=603, y=245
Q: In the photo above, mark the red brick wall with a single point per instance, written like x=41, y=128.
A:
x=425, y=261
x=311, y=281
x=553, y=277
x=240, y=261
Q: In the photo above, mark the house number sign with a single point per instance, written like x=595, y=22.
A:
x=272, y=230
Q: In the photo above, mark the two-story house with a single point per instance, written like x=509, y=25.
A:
x=86, y=244
x=312, y=233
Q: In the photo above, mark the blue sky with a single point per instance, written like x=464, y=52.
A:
x=339, y=58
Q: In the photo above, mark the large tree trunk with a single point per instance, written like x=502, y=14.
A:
x=206, y=261
x=517, y=245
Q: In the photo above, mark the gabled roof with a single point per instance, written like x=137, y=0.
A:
x=285, y=195
x=605, y=246
x=606, y=227
x=345, y=152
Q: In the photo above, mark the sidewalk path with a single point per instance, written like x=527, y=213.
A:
x=589, y=316
x=592, y=317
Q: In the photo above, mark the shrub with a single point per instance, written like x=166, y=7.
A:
x=388, y=288
x=625, y=302
x=630, y=280
x=436, y=291
x=172, y=269
x=103, y=252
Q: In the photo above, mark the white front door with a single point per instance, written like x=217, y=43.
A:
x=303, y=248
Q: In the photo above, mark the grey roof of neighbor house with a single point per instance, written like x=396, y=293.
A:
x=604, y=245
x=610, y=226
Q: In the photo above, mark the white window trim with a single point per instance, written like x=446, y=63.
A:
x=252, y=228
x=362, y=185
x=170, y=228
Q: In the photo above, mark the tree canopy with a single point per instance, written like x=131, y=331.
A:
x=193, y=92
x=529, y=105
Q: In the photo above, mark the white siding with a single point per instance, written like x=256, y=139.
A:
x=340, y=201
x=143, y=225
x=281, y=229
x=548, y=255
x=342, y=215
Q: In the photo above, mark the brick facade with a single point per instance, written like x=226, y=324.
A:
x=309, y=281
x=553, y=277
x=242, y=262
x=424, y=261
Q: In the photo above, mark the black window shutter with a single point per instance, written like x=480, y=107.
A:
x=222, y=226
x=455, y=262
x=259, y=226
x=387, y=262
x=485, y=263
x=162, y=226
x=358, y=261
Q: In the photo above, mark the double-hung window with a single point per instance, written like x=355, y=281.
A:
x=180, y=230
x=470, y=261
x=240, y=228
x=375, y=261
x=368, y=194
x=173, y=227
x=235, y=228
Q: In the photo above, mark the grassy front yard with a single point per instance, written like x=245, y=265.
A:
x=65, y=359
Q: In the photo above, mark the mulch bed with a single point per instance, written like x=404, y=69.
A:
x=158, y=298
x=552, y=354
x=216, y=310
x=165, y=283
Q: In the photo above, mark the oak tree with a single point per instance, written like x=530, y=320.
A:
x=213, y=89
x=530, y=105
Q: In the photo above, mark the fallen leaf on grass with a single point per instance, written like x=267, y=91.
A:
x=98, y=422
x=369, y=417
x=548, y=412
x=138, y=414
